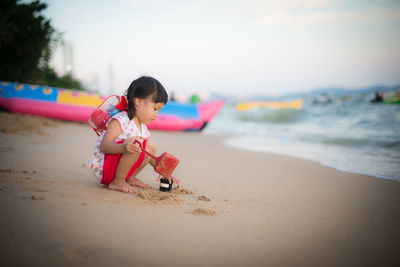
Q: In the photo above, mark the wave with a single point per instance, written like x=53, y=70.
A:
x=361, y=142
x=352, y=135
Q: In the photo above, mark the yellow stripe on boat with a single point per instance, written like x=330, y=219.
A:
x=78, y=98
x=295, y=104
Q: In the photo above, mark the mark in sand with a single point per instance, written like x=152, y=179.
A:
x=203, y=198
x=38, y=198
x=41, y=190
x=201, y=211
x=7, y=170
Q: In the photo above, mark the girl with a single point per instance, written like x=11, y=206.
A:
x=116, y=158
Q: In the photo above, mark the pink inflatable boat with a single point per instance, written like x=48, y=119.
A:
x=78, y=106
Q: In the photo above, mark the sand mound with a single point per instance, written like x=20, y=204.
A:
x=179, y=190
x=14, y=123
x=153, y=195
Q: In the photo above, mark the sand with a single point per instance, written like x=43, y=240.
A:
x=12, y=123
x=233, y=207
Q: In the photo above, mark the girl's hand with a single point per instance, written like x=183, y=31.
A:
x=172, y=178
x=131, y=147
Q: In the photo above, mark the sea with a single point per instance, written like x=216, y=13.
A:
x=349, y=134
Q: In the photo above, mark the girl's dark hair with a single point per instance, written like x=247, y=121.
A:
x=142, y=88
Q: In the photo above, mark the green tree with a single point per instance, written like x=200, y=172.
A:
x=50, y=77
x=27, y=41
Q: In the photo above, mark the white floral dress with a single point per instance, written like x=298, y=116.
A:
x=128, y=128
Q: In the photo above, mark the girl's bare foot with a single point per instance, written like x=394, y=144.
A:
x=136, y=182
x=121, y=186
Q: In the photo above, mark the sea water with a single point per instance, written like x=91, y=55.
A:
x=349, y=134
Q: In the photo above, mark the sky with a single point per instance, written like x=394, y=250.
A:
x=230, y=47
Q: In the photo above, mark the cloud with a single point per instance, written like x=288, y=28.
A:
x=316, y=17
x=290, y=19
x=295, y=4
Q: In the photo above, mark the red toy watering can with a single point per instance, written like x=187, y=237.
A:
x=164, y=164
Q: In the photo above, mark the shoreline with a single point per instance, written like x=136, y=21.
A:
x=232, y=142
x=236, y=208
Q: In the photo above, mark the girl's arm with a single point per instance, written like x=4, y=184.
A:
x=108, y=145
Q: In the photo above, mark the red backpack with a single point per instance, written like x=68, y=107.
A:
x=111, y=105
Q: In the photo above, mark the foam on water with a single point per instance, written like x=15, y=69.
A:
x=350, y=159
x=355, y=136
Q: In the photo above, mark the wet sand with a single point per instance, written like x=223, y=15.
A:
x=233, y=207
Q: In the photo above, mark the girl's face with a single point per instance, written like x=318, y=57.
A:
x=147, y=110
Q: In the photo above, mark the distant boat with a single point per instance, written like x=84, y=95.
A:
x=378, y=97
x=322, y=99
x=295, y=104
x=392, y=99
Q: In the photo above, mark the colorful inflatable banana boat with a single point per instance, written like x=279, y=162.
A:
x=78, y=106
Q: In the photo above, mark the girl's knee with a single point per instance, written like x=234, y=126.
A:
x=130, y=156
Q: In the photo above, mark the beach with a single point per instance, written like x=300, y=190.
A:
x=233, y=207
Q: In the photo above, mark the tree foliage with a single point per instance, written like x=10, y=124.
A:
x=67, y=81
x=27, y=41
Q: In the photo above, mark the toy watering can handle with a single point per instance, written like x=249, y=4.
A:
x=147, y=153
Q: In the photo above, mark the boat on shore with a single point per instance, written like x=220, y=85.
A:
x=74, y=105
